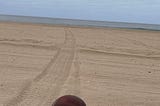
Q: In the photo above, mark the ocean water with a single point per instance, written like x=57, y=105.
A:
x=132, y=11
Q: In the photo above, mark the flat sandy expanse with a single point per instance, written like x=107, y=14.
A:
x=104, y=66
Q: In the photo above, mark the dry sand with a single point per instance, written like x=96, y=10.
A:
x=104, y=66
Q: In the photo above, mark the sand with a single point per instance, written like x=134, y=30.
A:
x=103, y=66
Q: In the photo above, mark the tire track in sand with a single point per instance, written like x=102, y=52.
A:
x=46, y=87
x=73, y=83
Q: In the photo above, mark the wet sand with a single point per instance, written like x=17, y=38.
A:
x=104, y=66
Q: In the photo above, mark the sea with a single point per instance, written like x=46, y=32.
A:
x=142, y=14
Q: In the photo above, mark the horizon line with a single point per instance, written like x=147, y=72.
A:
x=77, y=22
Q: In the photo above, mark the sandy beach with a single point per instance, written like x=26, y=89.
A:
x=103, y=66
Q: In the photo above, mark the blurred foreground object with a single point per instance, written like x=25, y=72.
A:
x=69, y=100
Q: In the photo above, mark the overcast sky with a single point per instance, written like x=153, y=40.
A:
x=137, y=11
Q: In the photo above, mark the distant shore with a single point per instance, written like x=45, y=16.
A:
x=75, y=22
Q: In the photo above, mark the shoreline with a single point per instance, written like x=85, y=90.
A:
x=77, y=23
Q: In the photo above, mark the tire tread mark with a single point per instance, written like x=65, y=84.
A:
x=25, y=96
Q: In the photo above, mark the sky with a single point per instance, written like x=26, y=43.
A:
x=133, y=11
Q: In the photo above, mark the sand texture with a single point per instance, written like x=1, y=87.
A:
x=104, y=66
